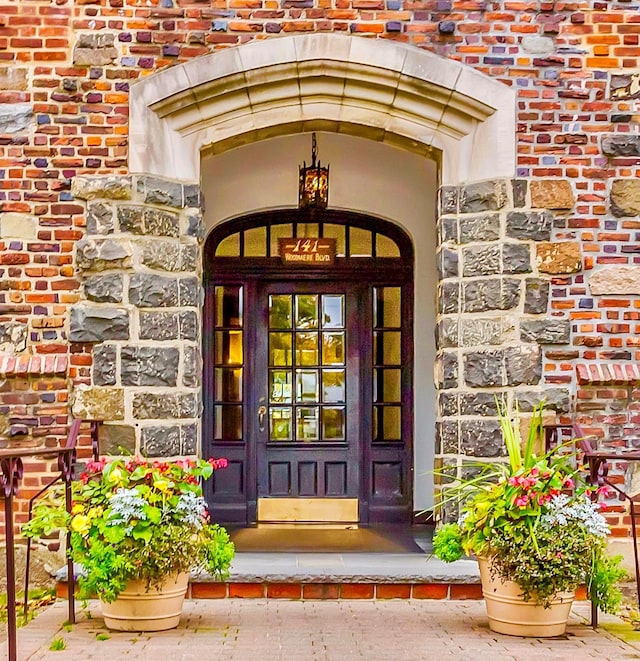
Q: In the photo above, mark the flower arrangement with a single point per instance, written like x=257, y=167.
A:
x=534, y=519
x=137, y=519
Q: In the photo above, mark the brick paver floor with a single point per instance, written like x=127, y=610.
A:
x=257, y=630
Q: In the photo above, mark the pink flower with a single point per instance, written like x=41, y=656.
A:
x=567, y=482
x=603, y=491
x=521, y=501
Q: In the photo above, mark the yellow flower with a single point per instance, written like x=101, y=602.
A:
x=80, y=524
x=78, y=508
x=161, y=485
x=115, y=475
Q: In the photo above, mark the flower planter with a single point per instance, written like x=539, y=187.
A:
x=510, y=614
x=156, y=609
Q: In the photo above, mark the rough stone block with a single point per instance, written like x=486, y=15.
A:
x=558, y=258
x=519, y=189
x=558, y=399
x=98, y=403
x=625, y=197
x=516, y=258
x=90, y=323
x=483, y=369
x=117, y=439
x=192, y=368
x=551, y=194
x=159, y=326
x=621, y=144
x=161, y=191
x=100, y=219
x=449, y=297
x=616, y=281
x=625, y=86
x=161, y=255
x=161, y=223
x=447, y=263
x=195, y=224
x=448, y=199
x=447, y=404
x=478, y=403
x=485, y=227
x=446, y=370
x=447, y=333
x=188, y=439
x=90, y=187
x=523, y=365
x=160, y=441
x=104, y=365
x=481, y=438
x=94, y=50
x=529, y=225
x=192, y=195
x=189, y=325
x=536, y=45
x=15, y=225
x=545, y=331
x=165, y=405
x=536, y=296
x=481, y=260
x=98, y=255
x=15, y=117
x=477, y=332
x=13, y=337
x=484, y=294
x=447, y=441
x=13, y=78
x=149, y=366
x=131, y=219
x=104, y=288
x=153, y=291
x=191, y=292
x=483, y=196
x=448, y=229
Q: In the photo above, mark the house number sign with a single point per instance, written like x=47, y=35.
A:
x=311, y=251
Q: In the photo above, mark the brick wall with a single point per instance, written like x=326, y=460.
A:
x=65, y=71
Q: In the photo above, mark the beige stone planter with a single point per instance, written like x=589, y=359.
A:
x=139, y=609
x=509, y=613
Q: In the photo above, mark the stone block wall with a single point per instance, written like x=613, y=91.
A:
x=139, y=313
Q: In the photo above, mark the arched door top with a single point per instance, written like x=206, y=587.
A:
x=384, y=91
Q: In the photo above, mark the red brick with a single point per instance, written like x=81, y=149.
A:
x=460, y=591
x=284, y=591
x=320, y=591
x=393, y=591
x=430, y=591
x=246, y=590
x=208, y=590
x=357, y=591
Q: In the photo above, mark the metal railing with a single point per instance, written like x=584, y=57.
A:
x=11, y=473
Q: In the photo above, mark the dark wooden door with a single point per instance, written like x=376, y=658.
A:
x=308, y=382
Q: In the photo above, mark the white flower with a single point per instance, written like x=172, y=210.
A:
x=126, y=504
x=191, y=509
x=563, y=510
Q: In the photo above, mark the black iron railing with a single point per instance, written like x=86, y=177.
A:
x=12, y=470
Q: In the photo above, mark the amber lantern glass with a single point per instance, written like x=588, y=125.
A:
x=313, y=190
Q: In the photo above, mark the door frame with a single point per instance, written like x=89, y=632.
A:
x=250, y=272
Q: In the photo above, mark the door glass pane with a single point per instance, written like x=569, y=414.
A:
x=333, y=423
x=227, y=423
x=280, y=424
x=307, y=348
x=280, y=353
x=386, y=385
x=228, y=385
x=280, y=312
x=307, y=311
x=255, y=242
x=386, y=423
x=228, y=347
x=333, y=386
x=229, y=247
x=359, y=242
x=284, y=231
x=228, y=306
x=307, y=423
x=308, y=230
x=386, y=307
x=386, y=348
x=307, y=386
x=280, y=386
x=386, y=247
x=332, y=311
x=337, y=232
x=333, y=348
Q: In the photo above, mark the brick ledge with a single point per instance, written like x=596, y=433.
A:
x=49, y=365
x=608, y=375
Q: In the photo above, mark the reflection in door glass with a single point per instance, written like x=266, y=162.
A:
x=280, y=386
x=386, y=348
x=386, y=307
x=333, y=386
x=306, y=348
x=280, y=350
x=386, y=423
x=228, y=306
x=307, y=386
x=333, y=423
x=280, y=423
x=307, y=423
x=228, y=385
x=280, y=311
x=333, y=348
x=228, y=347
x=228, y=423
x=332, y=311
x=307, y=311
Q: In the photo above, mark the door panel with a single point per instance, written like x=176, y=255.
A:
x=307, y=357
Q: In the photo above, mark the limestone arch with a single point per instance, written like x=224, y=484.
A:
x=384, y=91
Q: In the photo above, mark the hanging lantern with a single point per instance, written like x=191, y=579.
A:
x=313, y=192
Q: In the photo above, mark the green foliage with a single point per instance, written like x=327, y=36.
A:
x=102, y=636
x=533, y=519
x=135, y=519
x=57, y=645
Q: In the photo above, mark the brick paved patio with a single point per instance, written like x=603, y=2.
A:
x=256, y=630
